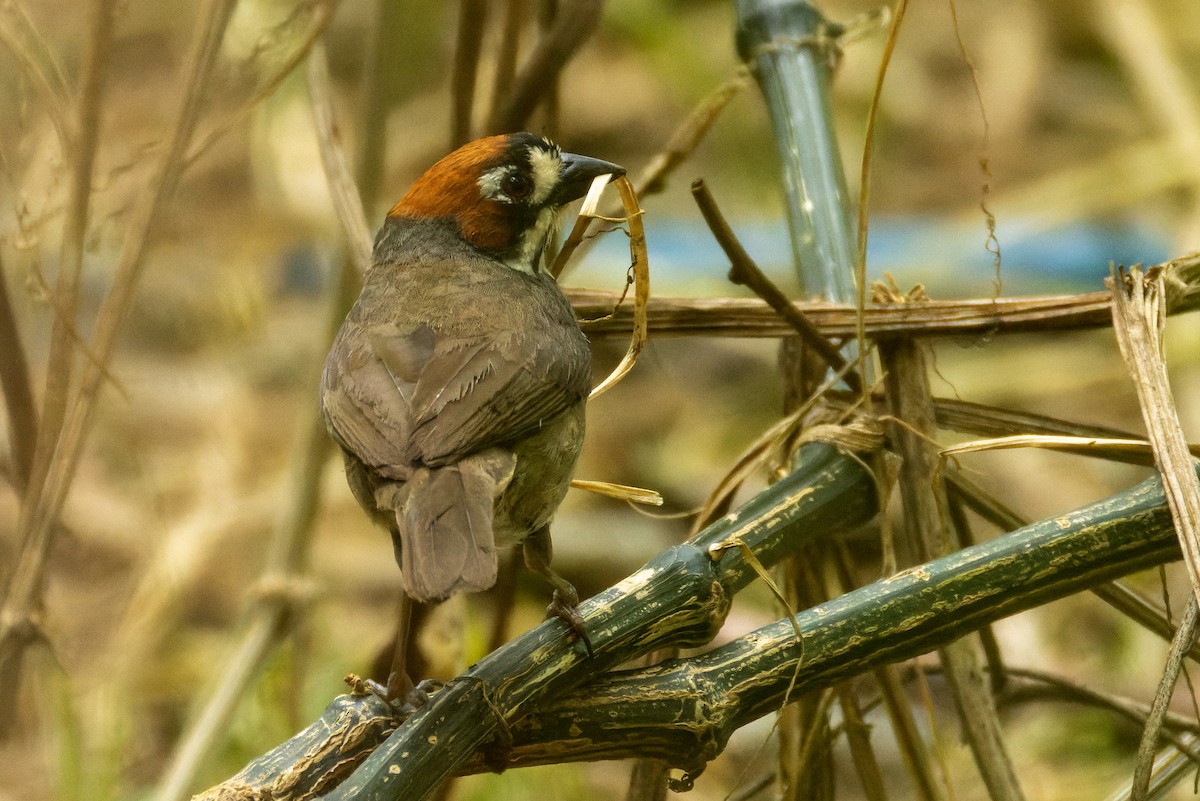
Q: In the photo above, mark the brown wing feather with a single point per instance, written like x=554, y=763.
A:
x=472, y=396
x=367, y=411
x=415, y=398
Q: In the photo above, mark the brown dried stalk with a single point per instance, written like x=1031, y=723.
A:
x=906, y=378
x=1138, y=318
x=864, y=183
x=20, y=612
x=741, y=317
x=1139, y=313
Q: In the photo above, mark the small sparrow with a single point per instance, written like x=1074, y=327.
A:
x=456, y=385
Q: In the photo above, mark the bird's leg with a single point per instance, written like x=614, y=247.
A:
x=400, y=691
x=399, y=683
x=565, y=604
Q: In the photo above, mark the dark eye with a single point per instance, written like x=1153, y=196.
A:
x=517, y=185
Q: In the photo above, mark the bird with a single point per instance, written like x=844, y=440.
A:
x=456, y=386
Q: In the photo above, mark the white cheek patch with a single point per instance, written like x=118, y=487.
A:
x=546, y=166
x=489, y=183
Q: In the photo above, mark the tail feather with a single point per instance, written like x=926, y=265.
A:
x=444, y=518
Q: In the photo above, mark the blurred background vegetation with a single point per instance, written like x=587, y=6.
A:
x=1093, y=145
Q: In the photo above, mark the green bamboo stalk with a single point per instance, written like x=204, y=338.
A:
x=684, y=710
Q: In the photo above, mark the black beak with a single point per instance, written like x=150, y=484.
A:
x=577, y=175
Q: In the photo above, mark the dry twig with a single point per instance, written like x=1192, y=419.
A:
x=320, y=12
x=346, y=198
x=538, y=74
x=33, y=53
x=744, y=272
x=1184, y=638
x=472, y=19
x=61, y=360
x=17, y=390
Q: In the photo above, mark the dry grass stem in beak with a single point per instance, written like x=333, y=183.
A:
x=641, y=285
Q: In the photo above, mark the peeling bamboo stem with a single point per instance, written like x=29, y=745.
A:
x=683, y=711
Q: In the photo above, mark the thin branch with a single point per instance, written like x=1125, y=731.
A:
x=1147, y=748
x=863, y=206
x=22, y=601
x=322, y=13
x=22, y=38
x=540, y=71
x=858, y=738
x=1144, y=612
x=384, y=77
x=472, y=19
x=913, y=748
x=744, y=272
x=515, y=14
x=22, y=427
x=548, y=12
x=1038, y=685
x=18, y=391
x=61, y=360
x=346, y=198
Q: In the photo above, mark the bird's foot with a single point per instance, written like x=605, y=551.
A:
x=401, y=694
x=565, y=607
